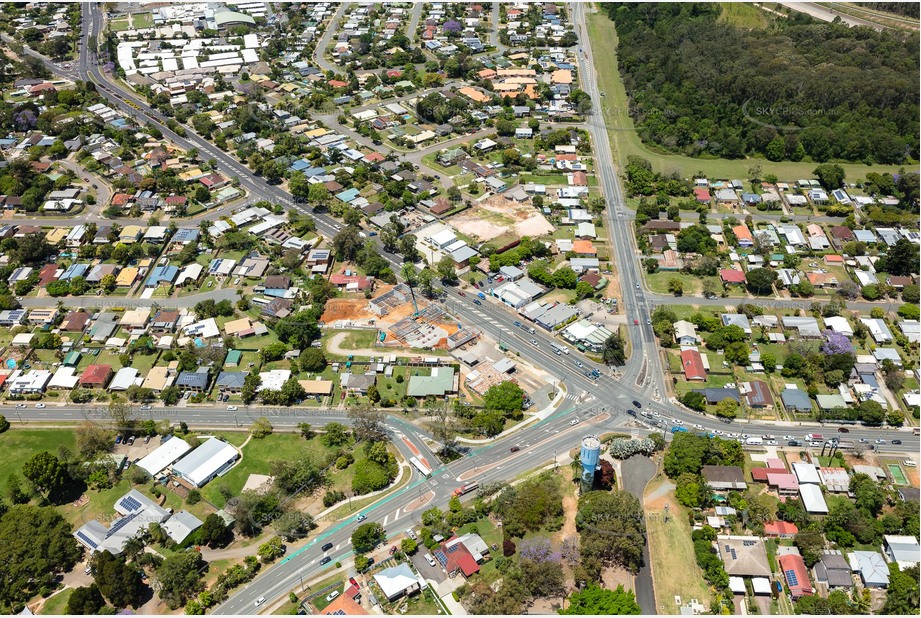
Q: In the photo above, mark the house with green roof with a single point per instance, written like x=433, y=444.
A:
x=72, y=359
x=233, y=358
x=438, y=384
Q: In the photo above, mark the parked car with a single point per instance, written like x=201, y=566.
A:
x=146, y=439
x=429, y=559
x=411, y=534
x=332, y=595
x=393, y=550
x=637, y=404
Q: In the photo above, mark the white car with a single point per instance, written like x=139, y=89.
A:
x=789, y=438
x=40, y=406
x=878, y=440
x=231, y=408
x=678, y=421
x=574, y=421
x=332, y=595
x=698, y=426
x=429, y=559
x=260, y=601
x=411, y=534
x=533, y=341
x=718, y=432
x=771, y=442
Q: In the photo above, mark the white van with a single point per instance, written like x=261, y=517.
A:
x=429, y=559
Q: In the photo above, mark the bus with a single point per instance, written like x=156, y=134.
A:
x=421, y=467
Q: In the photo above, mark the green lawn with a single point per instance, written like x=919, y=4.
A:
x=743, y=15
x=257, y=458
x=19, y=443
x=56, y=604
x=544, y=179
x=625, y=141
x=658, y=282
x=142, y=20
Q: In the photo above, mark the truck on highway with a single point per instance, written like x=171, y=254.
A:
x=466, y=488
x=815, y=437
x=754, y=441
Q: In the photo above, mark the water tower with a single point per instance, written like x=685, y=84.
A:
x=589, y=456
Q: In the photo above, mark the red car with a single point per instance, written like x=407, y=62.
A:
x=461, y=293
x=354, y=582
x=636, y=322
x=393, y=550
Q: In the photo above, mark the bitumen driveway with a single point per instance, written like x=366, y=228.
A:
x=636, y=473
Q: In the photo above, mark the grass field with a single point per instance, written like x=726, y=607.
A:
x=257, y=458
x=625, y=141
x=743, y=15
x=674, y=567
x=55, y=605
x=19, y=444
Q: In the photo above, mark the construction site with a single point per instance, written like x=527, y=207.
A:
x=497, y=216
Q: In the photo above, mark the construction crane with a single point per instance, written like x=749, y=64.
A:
x=409, y=274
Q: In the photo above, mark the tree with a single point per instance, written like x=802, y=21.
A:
x=594, y=600
x=694, y=400
x=811, y=544
x=447, y=270
x=830, y=175
x=903, y=591
x=867, y=493
x=118, y=582
x=312, y=360
x=506, y=397
x=613, y=351
x=408, y=546
x=261, y=428
x=612, y=529
x=675, y=286
x=271, y=550
x=214, y=532
x=92, y=439
x=251, y=382
x=85, y=600
x=46, y=472
x=347, y=243
x=727, y=408
x=293, y=525
x=179, y=577
x=900, y=259
x=170, y=395
x=760, y=280
x=367, y=536
x=368, y=424
x=335, y=434
x=36, y=545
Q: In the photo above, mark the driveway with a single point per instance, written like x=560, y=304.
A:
x=637, y=472
x=423, y=567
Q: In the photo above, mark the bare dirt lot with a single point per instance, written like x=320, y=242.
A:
x=496, y=216
x=346, y=309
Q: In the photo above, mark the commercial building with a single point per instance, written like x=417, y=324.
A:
x=209, y=460
x=164, y=455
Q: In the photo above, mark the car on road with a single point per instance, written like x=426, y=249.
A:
x=327, y=547
x=637, y=286
x=325, y=560
x=40, y=406
x=792, y=443
x=579, y=364
x=788, y=438
x=718, y=432
x=636, y=322
x=332, y=595
x=896, y=441
x=514, y=449
x=260, y=601
x=880, y=441
x=20, y=405
x=698, y=426
x=637, y=404
x=411, y=534
x=843, y=430
x=533, y=341
x=461, y=294
x=231, y=408
x=863, y=440
x=678, y=421
x=146, y=408
x=574, y=421
x=477, y=301
x=771, y=442
x=648, y=321
x=361, y=517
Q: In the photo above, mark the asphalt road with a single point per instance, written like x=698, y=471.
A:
x=636, y=473
x=824, y=13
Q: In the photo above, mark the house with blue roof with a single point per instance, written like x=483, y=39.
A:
x=161, y=275
x=301, y=165
x=186, y=234
x=348, y=195
x=75, y=270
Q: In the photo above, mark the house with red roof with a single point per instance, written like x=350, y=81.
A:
x=96, y=376
x=213, y=181
x=760, y=475
x=458, y=558
x=743, y=235
x=780, y=529
x=584, y=247
x=47, y=274
x=121, y=199
x=693, y=365
x=579, y=179
x=356, y=282
x=336, y=83
x=702, y=195
x=796, y=575
x=731, y=276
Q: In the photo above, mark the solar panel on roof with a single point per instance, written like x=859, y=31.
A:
x=130, y=503
x=733, y=552
x=87, y=540
x=791, y=577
